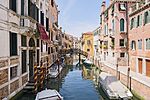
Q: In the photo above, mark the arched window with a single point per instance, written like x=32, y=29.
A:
x=122, y=25
x=133, y=45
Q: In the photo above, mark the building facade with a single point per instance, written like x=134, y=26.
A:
x=87, y=44
x=139, y=39
x=114, y=29
x=25, y=40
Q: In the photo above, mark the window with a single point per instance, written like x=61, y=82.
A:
x=38, y=58
x=139, y=20
x=23, y=41
x=140, y=44
x=41, y=46
x=51, y=36
x=122, y=25
x=46, y=46
x=122, y=42
x=13, y=44
x=106, y=29
x=24, y=61
x=51, y=49
x=22, y=7
x=88, y=42
x=146, y=17
x=122, y=54
x=33, y=11
x=12, y=5
x=52, y=3
x=148, y=44
x=122, y=7
x=47, y=24
x=42, y=18
x=37, y=42
x=132, y=22
x=133, y=45
x=88, y=50
x=48, y=50
x=13, y=72
x=113, y=25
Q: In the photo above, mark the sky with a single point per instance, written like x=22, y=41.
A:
x=79, y=16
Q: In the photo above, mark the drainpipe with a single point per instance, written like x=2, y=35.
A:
x=127, y=25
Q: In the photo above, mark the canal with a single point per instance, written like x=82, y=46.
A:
x=73, y=84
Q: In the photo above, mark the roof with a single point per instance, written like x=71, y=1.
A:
x=88, y=33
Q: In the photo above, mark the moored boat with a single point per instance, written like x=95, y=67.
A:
x=48, y=94
x=88, y=63
x=54, y=71
x=113, y=88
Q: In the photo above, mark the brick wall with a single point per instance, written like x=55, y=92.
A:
x=3, y=76
x=3, y=92
x=14, y=86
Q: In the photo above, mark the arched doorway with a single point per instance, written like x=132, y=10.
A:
x=31, y=59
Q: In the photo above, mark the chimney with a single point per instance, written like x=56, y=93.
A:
x=103, y=6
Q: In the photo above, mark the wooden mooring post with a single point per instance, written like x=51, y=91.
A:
x=41, y=75
x=35, y=78
x=79, y=58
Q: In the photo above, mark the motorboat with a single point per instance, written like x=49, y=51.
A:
x=113, y=88
x=48, y=94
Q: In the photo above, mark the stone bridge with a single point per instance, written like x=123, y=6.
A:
x=73, y=51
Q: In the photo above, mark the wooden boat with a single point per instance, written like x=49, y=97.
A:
x=113, y=88
x=48, y=94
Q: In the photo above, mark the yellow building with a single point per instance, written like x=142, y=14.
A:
x=87, y=43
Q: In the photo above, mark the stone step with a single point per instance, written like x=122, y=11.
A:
x=28, y=88
x=30, y=84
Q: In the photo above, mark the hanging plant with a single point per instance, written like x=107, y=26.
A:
x=36, y=33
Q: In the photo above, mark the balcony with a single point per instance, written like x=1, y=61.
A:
x=123, y=32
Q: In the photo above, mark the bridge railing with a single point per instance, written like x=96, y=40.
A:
x=73, y=50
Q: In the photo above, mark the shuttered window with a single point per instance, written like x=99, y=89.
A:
x=22, y=7
x=42, y=18
x=148, y=44
x=13, y=44
x=23, y=41
x=140, y=44
x=24, y=61
x=12, y=5
x=122, y=25
x=33, y=10
x=13, y=72
x=146, y=17
x=41, y=46
x=47, y=24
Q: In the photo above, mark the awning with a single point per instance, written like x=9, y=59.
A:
x=43, y=34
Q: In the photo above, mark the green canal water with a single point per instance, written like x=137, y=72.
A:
x=74, y=83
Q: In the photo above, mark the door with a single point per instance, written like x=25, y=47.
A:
x=148, y=68
x=31, y=65
x=140, y=62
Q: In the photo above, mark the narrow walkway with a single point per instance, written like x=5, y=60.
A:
x=123, y=69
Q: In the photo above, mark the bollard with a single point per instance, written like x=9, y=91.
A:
x=35, y=78
x=41, y=75
x=128, y=76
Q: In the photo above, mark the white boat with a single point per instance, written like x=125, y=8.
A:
x=88, y=63
x=48, y=94
x=53, y=72
x=113, y=88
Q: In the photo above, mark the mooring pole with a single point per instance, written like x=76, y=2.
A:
x=35, y=78
x=41, y=75
x=58, y=65
x=128, y=76
x=79, y=58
